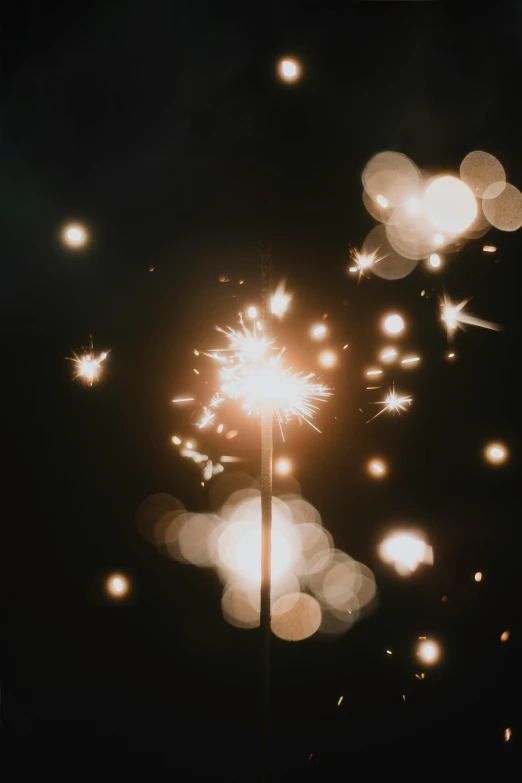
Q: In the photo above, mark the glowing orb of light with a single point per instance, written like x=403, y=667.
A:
x=449, y=204
x=283, y=466
x=393, y=324
x=504, y=636
x=377, y=468
x=435, y=261
x=289, y=70
x=117, y=585
x=478, y=576
x=406, y=552
x=428, y=651
x=296, y=616
x=496, y=453
x=74, y=235
x=327, y=359
x=252, y=312
x=280, y=301
x=319, y=331
x=176, y=440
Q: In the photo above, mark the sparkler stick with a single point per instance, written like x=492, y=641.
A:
x=267, y=417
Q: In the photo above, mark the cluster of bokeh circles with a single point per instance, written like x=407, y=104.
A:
x=420, y=214
x=316, y=588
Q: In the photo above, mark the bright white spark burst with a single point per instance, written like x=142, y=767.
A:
x=453, y=316
x=88, y=367
x=394, y=402
x=251, y=373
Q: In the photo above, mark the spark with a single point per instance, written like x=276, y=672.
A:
x=195, y=456
x=176, y=440
x=428, y=652
x=189, y=444
x=411, y=360
x=117, y=585
x=340, y=701
x=74, y=235
x=280, y=301
x=504, y=636
x=196, y=352
x=507, y=734
x=206, y=418
x=478, y=576
x=406, y=552
x=453, y=316
x=327, y=359
x=388, y=355
x=319, y=331
x=370, y=373
x=435, y=261
x=489, y=249
x=394, y=402
x=183, y=399
x=219, y=428
x=289, y=70
x=404, y=697
x=363, y=261
x=389, y=652
x=252, y=312
x=88, y=366
x=496, y=453
x=226, y=459
x=196, y=371
x=393, y=324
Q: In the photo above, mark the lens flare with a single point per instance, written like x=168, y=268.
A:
x=429, y=652
x=319, y=331
x=327, y=359
x=280, y=301
x=74, y=235
x=88, y=366
x=283, y=466
x=453, y=316
x=393, y=402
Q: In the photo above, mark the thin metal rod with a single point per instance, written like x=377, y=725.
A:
x=267, y=419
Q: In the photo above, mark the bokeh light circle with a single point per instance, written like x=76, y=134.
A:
x=483, y=174
x=296, y=617
x=449, y=204
x=505, y=211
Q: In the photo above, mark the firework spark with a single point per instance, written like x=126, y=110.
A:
x=453, y=316
x=393, y=402
x=88, y=366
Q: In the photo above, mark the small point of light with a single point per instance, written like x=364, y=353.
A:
x=377, y=468
x=388, y=355
x=438, y=239
x=496, y=453
x=389, y=652
x=74, y=235
x=196, y=352
x=428, y=652
x=283, y=466
x=319, y=331
x=339, y=702
x=189, y=445
x=382, y=201
x=507, y=734
x=451, y=355
x=371, y=373
x=327, y=359
x=289, y=69
x=219, y=429
x=252, y=312
x=176, y=440
x=117, y=585
x=478, y=576
x=504, y=636
x=393, y=324
x=435, y=261
x=489, y=249
x=183, y=399
x=345, y=347
x=411, y=360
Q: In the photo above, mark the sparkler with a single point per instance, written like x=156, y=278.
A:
x=453, y=316
x=393, y=402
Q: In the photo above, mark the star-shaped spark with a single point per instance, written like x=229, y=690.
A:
x=88, y=366
x=393, y=402
x=453, y=316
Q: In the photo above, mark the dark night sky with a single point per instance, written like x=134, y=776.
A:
x=162, y=127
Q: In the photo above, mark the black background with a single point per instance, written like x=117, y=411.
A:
x=163, y=127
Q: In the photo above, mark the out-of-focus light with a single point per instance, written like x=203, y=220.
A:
x=406, y=552
x=117, y=585
x=74, y=235
x=449, y=204
x=489, y=249
x=496, y=453
x=388, y=355
x=183, y=399
x=377, y=468
x=283, y=466
x=280, y=301
x=438, y=239
x=504, y=636
x=296, y=616
x=372, y=373
x=429, y=652
x=327, y=359
x=382, y=201
x=409, y=360
x=340, y=701
x=189, y=445
x=389, y=652
x=435, y=261
x=219, y=429
x=451, y=355
x=507, y=734
x=393, y=324
x=289, y=70
x=231, y=434
x=252, y=312
x=176, y=440
x=478, y=576
x=319, y=331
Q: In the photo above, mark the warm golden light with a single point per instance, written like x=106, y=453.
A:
x=449, y=204
x=478, y=576
x=388, y=355
x=327, y=359
x=176, y=440
x=489, y=249
x=435, y=261
x=289, y=70
x=283, y=466
x=438, y=239
x=74, y=235
x=507, y=734
x=382, y=201
x=504, y=636
x=406, y=552
x=252, y=312
x=117, y=585
x=496, y=453
x=428, y=652
x=319, y=331
x=88, y=367
x=393, y=402
x=377, y=468
x=280, y=301
x=410, y=360
x=393, y=324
